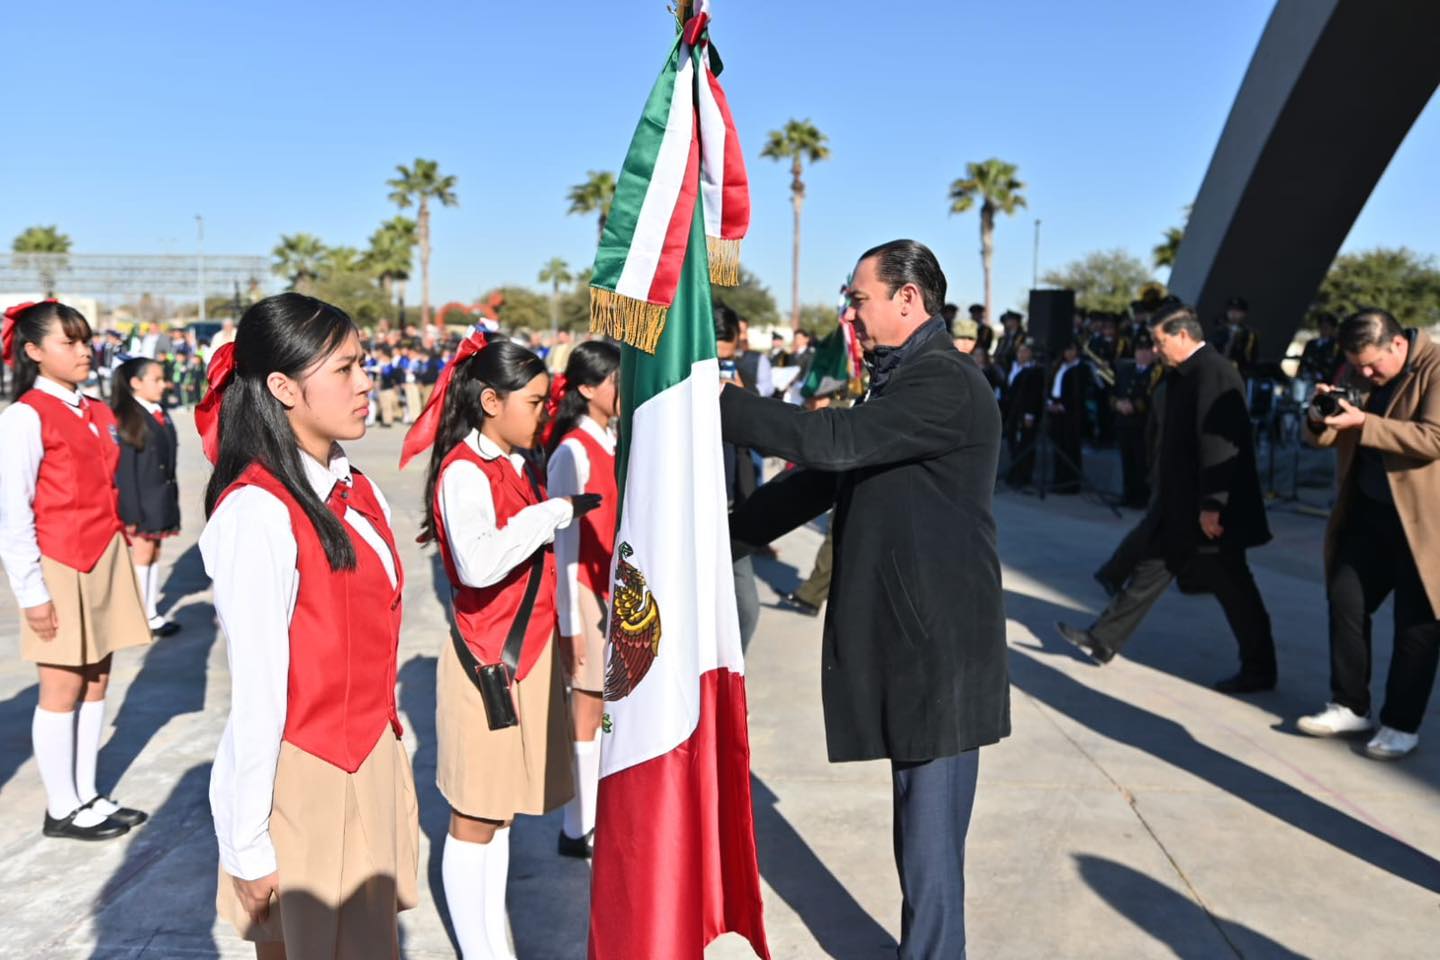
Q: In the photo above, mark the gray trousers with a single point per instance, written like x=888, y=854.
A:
x=747, y=599
x=933, y=800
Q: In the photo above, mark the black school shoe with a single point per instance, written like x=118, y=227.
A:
x=1086, y=642
x=788, y=601
x=167, y=629
x=107, y=829
x=126, y=815
x=1244, y=682
x=581, y=848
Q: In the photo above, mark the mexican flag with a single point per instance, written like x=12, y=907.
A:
x=674, y=864
x=837, y=360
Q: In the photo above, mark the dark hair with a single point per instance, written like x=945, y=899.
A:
x=590, y=364
x=130, y=417
x=30, y=327
x=289, y=333
x=909, y=261
x=1172, y=316
x=504, y=366
x=1326, y=319
x=1369, y=327
x=727, y=324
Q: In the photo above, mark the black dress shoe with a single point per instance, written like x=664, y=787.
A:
x=1109, y=586
x=1083, y=639
x=167, y=629
x=1246, y=683
x=126, y=815
x=107, y=829
x=789, y=601
x=578, y=847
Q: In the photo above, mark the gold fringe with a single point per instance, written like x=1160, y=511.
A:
x=628, y=320
x=724, y=261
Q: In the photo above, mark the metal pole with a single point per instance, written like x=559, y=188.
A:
x=200, y=260
x=1035, y=262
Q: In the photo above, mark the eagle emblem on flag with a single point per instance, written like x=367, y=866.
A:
x=634, y=629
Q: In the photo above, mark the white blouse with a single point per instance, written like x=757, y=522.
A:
x=483, y=552
x=23, y=449
x=250, y=553
x=569, y=472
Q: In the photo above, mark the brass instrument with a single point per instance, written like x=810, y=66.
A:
x=1102, y=369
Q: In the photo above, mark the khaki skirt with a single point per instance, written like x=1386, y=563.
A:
x=495, y=774
x=591, y=676
x=99, y=612
x=347, y=852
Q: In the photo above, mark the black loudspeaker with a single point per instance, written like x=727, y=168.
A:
x=1051, y=323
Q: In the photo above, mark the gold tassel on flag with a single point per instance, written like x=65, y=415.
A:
x=626, y=319
x=724, y=261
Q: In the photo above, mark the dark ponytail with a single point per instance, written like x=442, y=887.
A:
x=130, y=417
x=590, y=364
x=502, y=366
x=31, y=326
x=288, y=334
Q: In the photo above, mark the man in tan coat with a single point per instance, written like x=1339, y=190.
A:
x=1384, y=534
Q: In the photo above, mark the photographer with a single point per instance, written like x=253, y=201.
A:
x=1381, y=537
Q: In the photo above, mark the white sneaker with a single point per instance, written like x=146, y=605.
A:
x=1391, y=744
x=1334, y=721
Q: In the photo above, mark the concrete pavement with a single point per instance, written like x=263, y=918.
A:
x=1133, y=813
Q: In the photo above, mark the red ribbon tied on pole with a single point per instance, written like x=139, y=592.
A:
x=422, y=432
x=7, y=328
x=207, y=414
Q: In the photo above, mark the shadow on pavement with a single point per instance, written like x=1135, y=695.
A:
x=15, y=717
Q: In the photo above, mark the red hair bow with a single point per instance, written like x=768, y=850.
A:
x=552, y=406
x=207, y=415
x=7, y=328
x=422, y=432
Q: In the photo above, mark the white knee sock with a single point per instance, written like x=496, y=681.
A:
x=497, y=880
x=580, y=811
x=142, y=580
x=88, y=731
x=53, y=738
x=465, y=869
x=152, y=593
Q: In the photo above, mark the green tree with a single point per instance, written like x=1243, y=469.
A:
x=751, y=299
x=341, y=259
x=575, y=303
x=299, y=258
x=1394, y=278
x=1104, y=280
x=419, y=185
x=994, y=183
x=353, y=291
x=1164, y=253
x=800, y=142
x=595, y=195
x=42, y=240
x=390, y=254
x=523, y=309
x=819, y=319
x=556, y=273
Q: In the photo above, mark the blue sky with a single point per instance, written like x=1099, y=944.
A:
x=272, y=118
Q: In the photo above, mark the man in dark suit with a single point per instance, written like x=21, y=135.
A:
x=1207, y=510
x=1235, y=340
x=1321, y=358
x=1135, y=380
x=1065, y=404
x=1010, y=339
x=1022, y=403
x=914, y=661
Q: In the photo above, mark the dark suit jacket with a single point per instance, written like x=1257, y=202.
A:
x=914, y=660
x=149, y=498
x=1207, y=459
x=1026, y=394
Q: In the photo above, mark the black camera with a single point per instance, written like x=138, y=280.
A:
x=1328, y=404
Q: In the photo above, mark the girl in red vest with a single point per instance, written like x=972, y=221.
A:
x=149, y=497
x=488, y=512
x=311, y=791
x=582, y=460
x=64, y=550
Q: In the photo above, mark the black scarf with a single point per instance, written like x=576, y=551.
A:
x=884, y=361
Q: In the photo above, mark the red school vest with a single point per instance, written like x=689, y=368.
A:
x=77, y=508
x=343, y=634
x=597, y=528
x=484, y=614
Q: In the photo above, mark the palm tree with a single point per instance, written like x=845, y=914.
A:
x=994, y=183
x=341, y=260
x=419, y=185
x=43, y=240
x=595, y=195
x=556, y=273
x=392, y=248
x=799, y=141
x=299, y=258
x=1164, y=253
